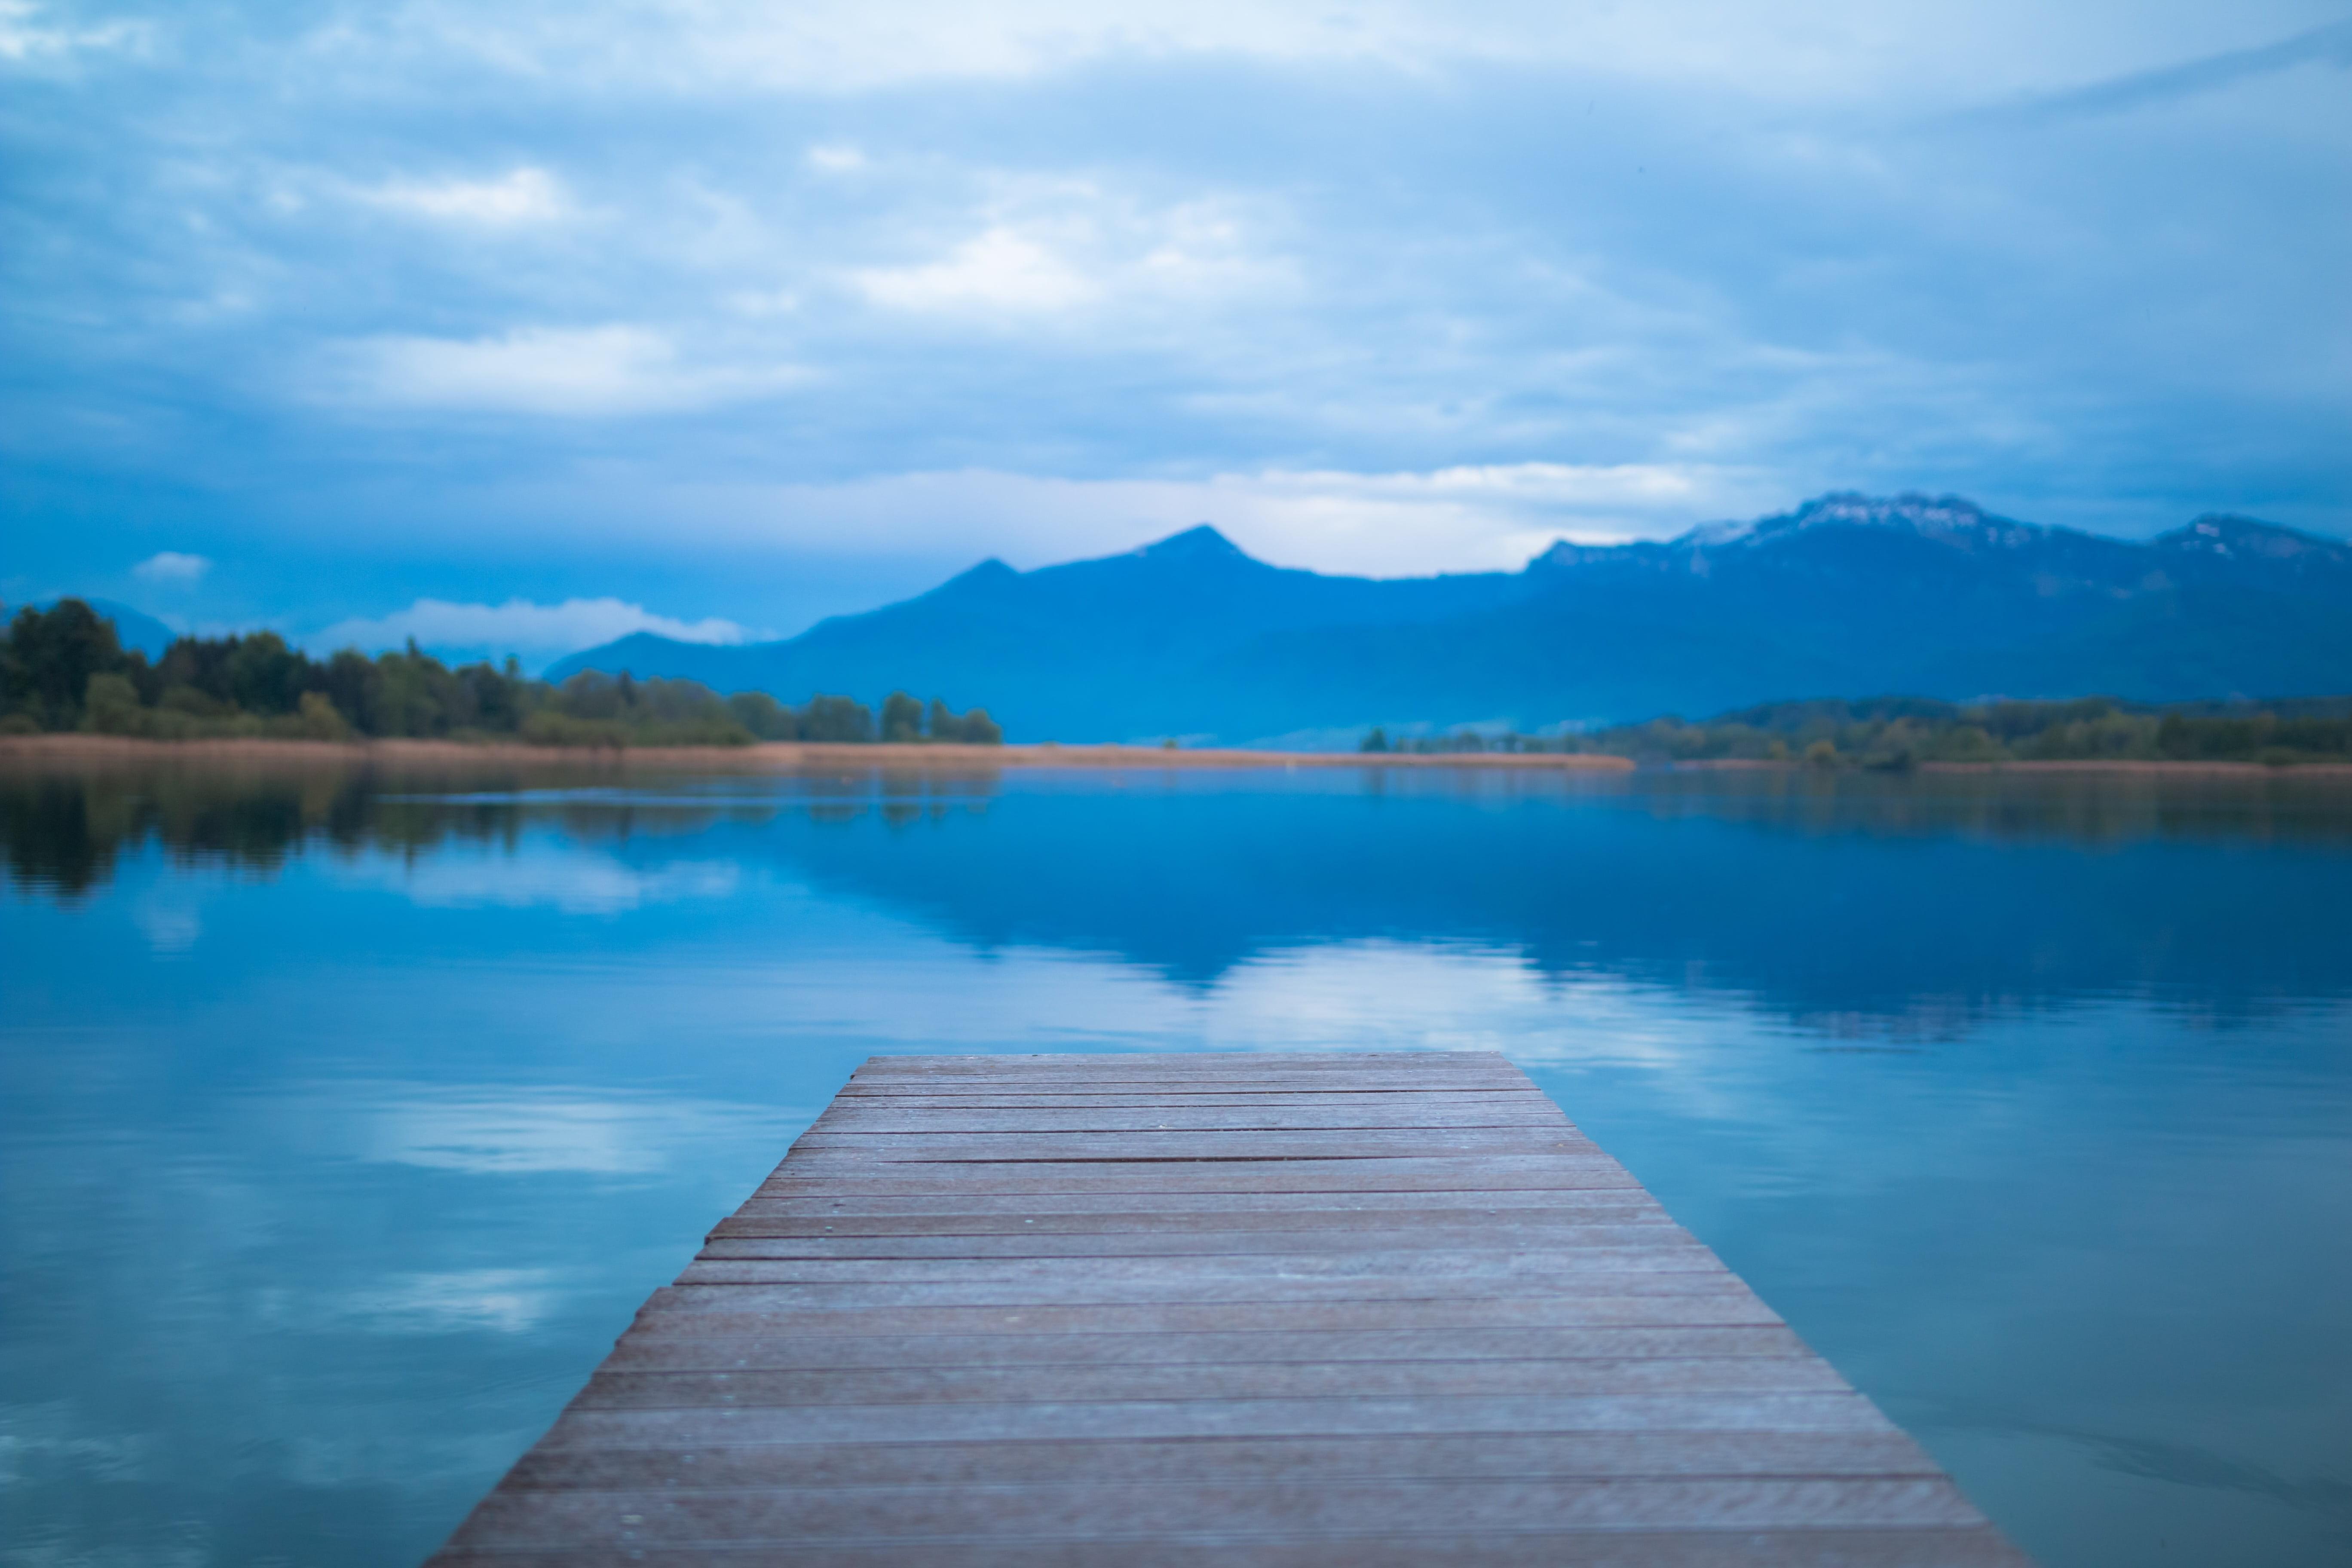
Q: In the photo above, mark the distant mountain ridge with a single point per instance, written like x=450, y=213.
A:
x=1848, y=594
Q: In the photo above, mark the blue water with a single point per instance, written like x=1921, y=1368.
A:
x=345, y=1121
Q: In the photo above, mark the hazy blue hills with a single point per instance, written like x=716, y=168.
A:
x=1847, y=595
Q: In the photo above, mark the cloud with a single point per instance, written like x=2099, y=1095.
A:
x=581, y=373
x=1495, y=514
x=172, y=567
x=536, y=632
x=1836, y=50
x=836, y=158
x=525, y=195
x=805, y=303
x=2330, y=46
x=24, y=40
x=999, y=270
x=1049, y=246
x=763, y=302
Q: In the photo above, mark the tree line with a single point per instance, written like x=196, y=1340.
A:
x=1894, y=733
x=63, y=668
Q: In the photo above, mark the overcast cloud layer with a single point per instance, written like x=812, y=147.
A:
x=726, y=316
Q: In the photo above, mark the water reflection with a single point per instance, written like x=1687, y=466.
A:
x=344, y=1117
x=63, y=827
x=1847, y=902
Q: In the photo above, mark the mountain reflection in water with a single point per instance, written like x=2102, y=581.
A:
x=348, y=1114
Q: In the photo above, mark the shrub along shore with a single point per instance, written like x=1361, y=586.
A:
x=1896, y=733
x=63, y=670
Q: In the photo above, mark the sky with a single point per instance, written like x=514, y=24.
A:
x=517, y=327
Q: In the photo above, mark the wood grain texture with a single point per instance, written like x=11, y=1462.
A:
x=1354, y=1308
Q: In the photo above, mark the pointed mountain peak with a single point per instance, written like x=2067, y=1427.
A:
x=981, y=580
x=1200, y=543
x=989, y=571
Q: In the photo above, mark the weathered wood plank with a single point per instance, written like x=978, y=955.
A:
x=760, y=1514
x=1194, y=1085
x=687, y=1310
x=755, y=1261
x=1165, y=1207
x=1282, y=1310
x=838, y=1219
x=1250, y=1347
x=1195, y=1063
x=1401, y=1174
x=1275, y=1117
x=771, y=1238
x=1976, y=1547
x=1271, y=1460
x=1266, y=1291
x=1366, y=1081
x=1189, y=1091
x=822, y=1149
x=1207, y=1096
x=614, y=1388
x=1006, y=1422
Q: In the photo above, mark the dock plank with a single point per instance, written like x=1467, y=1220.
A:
x=1370, y=1308
x=679, y=1310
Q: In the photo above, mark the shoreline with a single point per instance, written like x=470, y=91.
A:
x=2131, y=765
x=792, y=756
x=2154, y=767
x=775, y=757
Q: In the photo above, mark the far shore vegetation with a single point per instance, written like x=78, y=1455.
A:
x=1897, y=733
x=63, y=670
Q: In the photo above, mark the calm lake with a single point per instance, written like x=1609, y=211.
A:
x=345, y=1121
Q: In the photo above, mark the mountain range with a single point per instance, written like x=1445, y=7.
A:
x=1846, y=595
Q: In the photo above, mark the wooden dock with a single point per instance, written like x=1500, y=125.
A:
x=1300, y=1309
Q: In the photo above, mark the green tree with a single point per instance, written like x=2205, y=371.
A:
x=264, y=675
x=64, y=668
x=763, y=716
x=51, y=656
x=902, y=719
x=110, y=705
x=411, y=696
x=973, y=728
x=355, y=685
x=837, y=719
x=593, y=695
x=320, y=719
